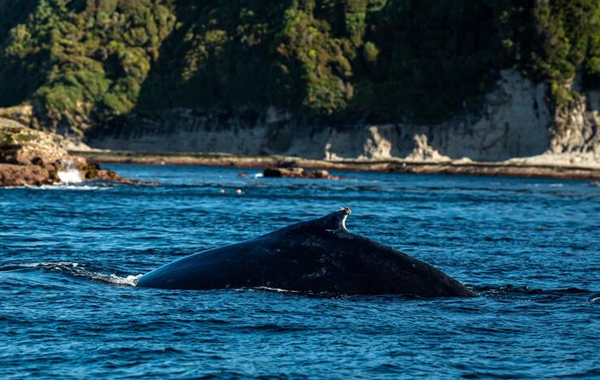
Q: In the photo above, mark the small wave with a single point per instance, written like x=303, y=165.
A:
x=275, y=290
x=302, y=293
x=61, y=186
x=526, y=290
x=548, y=185
x=499, y=239
x=76, y=270
x=271, y=327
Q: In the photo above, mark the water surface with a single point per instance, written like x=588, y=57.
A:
x=70, y=254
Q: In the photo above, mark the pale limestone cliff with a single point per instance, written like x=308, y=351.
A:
x=576, y=132
x=515, y=122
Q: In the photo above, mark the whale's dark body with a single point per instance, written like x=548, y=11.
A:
x=315, y=256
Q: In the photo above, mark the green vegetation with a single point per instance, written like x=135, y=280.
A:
x=82, y=61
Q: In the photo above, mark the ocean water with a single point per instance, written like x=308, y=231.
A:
x=70, y=256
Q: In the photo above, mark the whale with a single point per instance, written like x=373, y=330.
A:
x=318, y=256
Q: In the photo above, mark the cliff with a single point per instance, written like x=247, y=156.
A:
x=514, y=122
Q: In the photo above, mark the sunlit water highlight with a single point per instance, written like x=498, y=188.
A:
x=69, y=260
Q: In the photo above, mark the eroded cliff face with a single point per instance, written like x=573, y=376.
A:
x=514, y=122
x=576, y=132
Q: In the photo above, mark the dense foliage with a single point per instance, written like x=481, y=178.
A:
x=420, y=60
x=77, y=59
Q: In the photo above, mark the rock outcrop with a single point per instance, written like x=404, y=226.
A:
x=298, y=173
x=33, y=158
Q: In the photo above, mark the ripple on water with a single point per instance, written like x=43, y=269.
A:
x=69, y=260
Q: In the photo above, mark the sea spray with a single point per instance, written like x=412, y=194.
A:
x=70, y=174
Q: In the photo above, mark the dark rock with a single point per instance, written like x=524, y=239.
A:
x=297, y=173
x=93, y=172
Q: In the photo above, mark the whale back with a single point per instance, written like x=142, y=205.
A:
x=314, y=256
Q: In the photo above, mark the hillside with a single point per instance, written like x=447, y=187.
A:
x=89, y=66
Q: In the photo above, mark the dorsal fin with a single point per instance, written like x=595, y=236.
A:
x=334, y=221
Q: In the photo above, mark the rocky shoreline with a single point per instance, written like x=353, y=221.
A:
x=34, y=158
x=516, y=133
x=528, y=168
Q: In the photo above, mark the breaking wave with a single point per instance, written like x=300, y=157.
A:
x=70, y=176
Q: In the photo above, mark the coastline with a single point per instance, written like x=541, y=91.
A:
x=523, y=168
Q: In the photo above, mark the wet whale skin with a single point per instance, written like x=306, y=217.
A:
x=315, y=256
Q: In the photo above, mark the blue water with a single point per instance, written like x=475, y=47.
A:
x=70, y=254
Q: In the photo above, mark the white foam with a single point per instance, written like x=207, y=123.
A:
x=46, y=265
x=276, y=290
x=61, y=186
x=70, y=176
x=130, y=280
x=78, y=270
